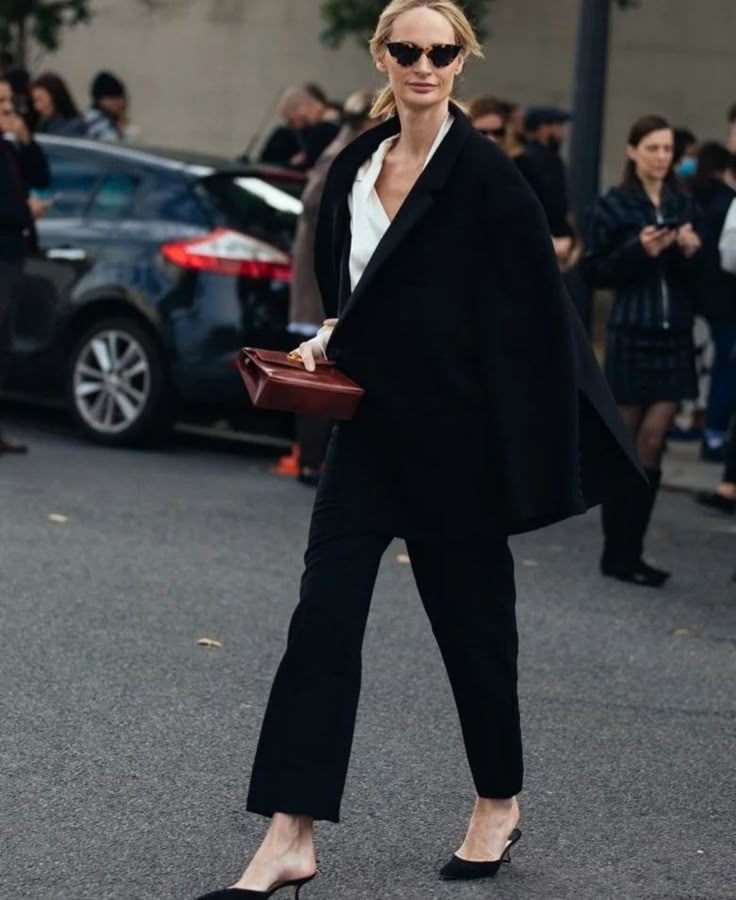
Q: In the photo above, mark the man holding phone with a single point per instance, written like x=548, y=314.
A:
x=22, y=166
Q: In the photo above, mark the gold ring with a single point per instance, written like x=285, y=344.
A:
x=294, y=356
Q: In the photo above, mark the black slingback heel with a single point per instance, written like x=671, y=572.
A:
x=458, y=869
x=244, y=894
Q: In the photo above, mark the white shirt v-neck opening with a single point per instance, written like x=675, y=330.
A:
x=369, y=220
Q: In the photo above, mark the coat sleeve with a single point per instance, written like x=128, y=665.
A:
x=727, y=241
x=687, y=268
x=608, y=262
x=557, y=435
x=14, y=211
x=34, y=168
x=526, y=356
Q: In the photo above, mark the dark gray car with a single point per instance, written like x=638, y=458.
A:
x=154, y=269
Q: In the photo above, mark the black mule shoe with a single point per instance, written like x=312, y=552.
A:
x=636, y=572
x=12, y=447
x=458, y=869
x=241, y=893
x=714, y=500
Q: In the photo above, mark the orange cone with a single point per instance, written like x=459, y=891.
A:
x=288, y=466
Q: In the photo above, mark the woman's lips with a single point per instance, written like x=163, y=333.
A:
x=422, y=88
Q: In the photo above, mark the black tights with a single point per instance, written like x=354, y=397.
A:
x=648, y=427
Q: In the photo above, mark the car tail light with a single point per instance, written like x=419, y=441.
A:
x=228, y=252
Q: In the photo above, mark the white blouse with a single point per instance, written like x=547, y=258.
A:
x=368, y=219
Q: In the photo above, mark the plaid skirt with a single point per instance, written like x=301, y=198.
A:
x=645, y=366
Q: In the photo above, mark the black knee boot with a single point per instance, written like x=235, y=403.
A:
x=625, y=521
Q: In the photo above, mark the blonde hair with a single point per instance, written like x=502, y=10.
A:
x=384, y=105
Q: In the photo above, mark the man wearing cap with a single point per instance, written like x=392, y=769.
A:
x=542, y=166
x=106, y=118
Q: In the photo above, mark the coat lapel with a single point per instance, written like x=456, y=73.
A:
x=417, y=204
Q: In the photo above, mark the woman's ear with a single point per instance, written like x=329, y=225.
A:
x=460, y=65
x=631, y=153
x=380, y=64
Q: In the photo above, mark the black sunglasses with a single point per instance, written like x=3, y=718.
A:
x=440, y=55
x=493, y=132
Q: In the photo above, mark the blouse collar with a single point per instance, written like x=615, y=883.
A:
x=371, y=168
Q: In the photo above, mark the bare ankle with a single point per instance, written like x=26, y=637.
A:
x=290, y=828
x=495, y=805
x=287, y=852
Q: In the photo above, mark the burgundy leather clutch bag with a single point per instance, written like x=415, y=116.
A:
x=274, y=381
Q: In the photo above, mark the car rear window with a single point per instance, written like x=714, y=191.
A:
x=256, y=206
x=114, y=196
x=170, y=200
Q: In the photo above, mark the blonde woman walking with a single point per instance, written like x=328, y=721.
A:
x=484, y=414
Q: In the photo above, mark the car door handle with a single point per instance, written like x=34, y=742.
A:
x=70, y=254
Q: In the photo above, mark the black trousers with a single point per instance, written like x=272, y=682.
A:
x=10, y=274
x=729, y=473
x=312, y=434
x=469, y=595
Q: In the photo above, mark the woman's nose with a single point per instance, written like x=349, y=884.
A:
x=423, y=67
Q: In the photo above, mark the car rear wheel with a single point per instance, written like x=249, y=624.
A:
x=116, y=384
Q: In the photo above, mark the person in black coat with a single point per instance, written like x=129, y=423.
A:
x=310, y=129
x=712, y=187
x=22, y=166
x=642, y=243
x=542, y=165
x=484, y=414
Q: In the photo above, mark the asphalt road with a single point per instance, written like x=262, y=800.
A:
x=125, y=746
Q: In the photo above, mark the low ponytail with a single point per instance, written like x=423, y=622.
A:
x=384, y=104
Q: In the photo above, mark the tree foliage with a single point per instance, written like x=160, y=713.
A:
x=43, y=20
x=357, y=18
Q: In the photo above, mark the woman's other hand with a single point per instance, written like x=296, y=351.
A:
x=654, y=240
x=316, y=348
x=688, y=241
x=38, y=206
x=16, y=125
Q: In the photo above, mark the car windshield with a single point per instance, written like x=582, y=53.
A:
x=265, y=209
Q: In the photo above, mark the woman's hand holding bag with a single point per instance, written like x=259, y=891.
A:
x=316, y=347
x=303, y=381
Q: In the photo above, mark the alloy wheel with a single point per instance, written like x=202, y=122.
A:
x=111, y=381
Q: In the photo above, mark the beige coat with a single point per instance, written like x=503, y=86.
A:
x=306, y=308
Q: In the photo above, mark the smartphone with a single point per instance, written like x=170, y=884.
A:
x=670, y=222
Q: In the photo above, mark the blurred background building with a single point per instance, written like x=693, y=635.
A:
x=205, y=74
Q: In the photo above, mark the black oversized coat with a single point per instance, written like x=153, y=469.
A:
x=485, y=410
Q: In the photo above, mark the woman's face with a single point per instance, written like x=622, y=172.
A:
x=422, y=85
x=491, y=125
x=653, y=155
x=42, y=102
x=516, y=122
x=6, y=102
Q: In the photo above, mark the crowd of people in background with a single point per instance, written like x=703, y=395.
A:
x=663, y=242
x=47, y=106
